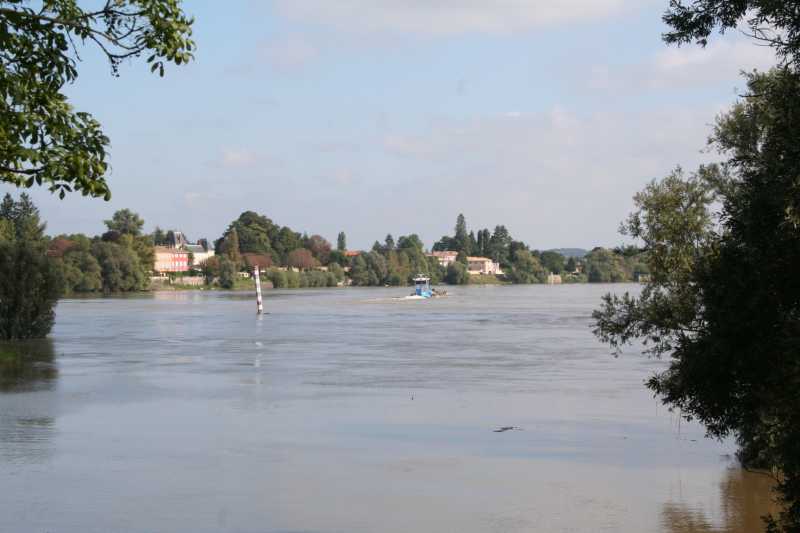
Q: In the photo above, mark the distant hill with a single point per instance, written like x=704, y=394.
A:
x=571, y=252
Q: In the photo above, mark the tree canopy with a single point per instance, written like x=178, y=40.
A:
x=125, y=222
x=44, y=141
x=775, y=23
x=722, y=301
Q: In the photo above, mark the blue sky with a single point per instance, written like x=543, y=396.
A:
x=390, y=116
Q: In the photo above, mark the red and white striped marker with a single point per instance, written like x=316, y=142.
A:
x=258, y=290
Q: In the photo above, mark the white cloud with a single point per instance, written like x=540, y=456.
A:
x=289, y=53
x=554, y=178
x=234, y=157
x=685, y=67
x=722, y=59
x=445, y=17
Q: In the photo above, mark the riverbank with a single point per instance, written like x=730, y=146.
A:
x=487, y=279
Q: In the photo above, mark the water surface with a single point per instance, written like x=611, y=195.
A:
x=346, y=410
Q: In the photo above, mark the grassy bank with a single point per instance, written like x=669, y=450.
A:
x=486, y=280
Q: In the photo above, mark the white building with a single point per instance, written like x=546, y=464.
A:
x=483, y=266
x=445, y=258
x=199, y=253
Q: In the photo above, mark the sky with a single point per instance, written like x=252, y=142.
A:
x=394, y=116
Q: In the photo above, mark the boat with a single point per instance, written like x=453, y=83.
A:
x=423, y=290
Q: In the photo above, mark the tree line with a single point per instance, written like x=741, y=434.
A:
x=122, y=258
x=255, y=240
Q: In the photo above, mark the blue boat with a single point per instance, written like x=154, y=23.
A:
x=422, y=287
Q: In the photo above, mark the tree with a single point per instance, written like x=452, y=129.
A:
x=159, y=237
x=254, y=232
x=82, y=272
x=410, y=242
x=482, y=243
x=44, y=141
x=262, y=261
x=230, y=247
x=320, y=248
x=30, y=285
x=377, y=267
x=210, y=269
x=125, y=222
x=526, y=268
x=604, y=266
x=553, y=262
x=472, y=243
x=499, y=244
x=722, y=301
x=359, y=273
x=301, y=258
x=461, y=238
x=774, y=23
x=341, y=242
x=444, y=244
x=120, y=267
x=6, y=230
x=337, y=271
x=22, y=217
x=7, y=207
x=389, y=243
x=228, y=270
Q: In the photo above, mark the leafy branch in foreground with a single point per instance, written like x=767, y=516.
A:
x=43, y=141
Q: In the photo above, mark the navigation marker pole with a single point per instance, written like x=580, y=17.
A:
x=258, y=290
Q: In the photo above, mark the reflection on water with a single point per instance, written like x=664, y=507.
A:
x=348, y=410
x=745, y=498
x=27, y=365
x=27, y=369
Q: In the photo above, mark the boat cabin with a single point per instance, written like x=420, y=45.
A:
x=422, y=286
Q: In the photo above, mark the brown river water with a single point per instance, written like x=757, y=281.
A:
x=346, y=410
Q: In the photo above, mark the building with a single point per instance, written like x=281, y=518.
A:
x=170, y=260
x=554, y=279
x=200, y=253
x=176, y=239
x=445, y=258
x=352, y=253
x=483, y=266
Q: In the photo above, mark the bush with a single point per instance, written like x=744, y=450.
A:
x=457, y=274
x=278, y=278
x=30, y=285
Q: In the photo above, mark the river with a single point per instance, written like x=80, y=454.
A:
x=346, y=410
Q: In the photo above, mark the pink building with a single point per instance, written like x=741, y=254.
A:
x=171, y=260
